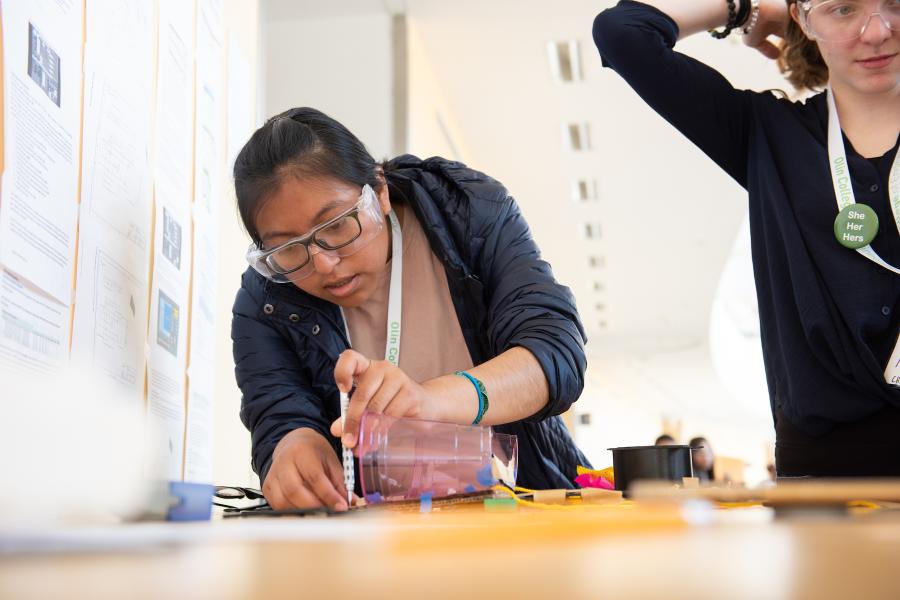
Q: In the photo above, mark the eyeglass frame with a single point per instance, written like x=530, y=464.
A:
x=258, y=258
x=806, y=7
x=235, y=492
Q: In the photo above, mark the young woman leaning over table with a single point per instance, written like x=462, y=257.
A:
x=343, y=247
x=823, y=179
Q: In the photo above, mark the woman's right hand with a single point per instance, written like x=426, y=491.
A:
x=305, y=473
x=773, y=20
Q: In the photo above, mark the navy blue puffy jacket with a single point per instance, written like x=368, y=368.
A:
x=286, y=342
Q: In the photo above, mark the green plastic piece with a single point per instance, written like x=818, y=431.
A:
x=499, y=504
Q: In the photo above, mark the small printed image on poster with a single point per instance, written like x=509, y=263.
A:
x=171, y=239
x=167, y=324
x=43, y=64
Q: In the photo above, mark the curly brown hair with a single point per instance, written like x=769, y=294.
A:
x=800, y=61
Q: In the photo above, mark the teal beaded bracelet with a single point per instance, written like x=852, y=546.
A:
x=482, y=395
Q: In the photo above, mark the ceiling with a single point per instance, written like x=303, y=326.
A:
x=292, y=9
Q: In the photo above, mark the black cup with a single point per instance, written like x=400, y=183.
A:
x=669, y=463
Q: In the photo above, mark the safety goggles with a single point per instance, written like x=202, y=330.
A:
x=343, y=235
x=846, y=20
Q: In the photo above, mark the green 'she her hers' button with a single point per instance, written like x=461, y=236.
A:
x=856, y=226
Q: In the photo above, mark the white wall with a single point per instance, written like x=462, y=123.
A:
x=339, y=65
x=231, y=440
x=432, y=125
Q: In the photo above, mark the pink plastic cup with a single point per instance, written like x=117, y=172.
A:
x=404, y=459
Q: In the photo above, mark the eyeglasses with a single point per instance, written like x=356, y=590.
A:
x=846, y=20
x=344, y=235
x=229, y=492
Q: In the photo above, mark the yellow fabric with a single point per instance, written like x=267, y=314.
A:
x=607, y=473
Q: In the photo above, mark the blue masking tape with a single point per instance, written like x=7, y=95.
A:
x=469, y=489
x=485, y=477
x=194, y=501
x=425, y=502
x=374, y=498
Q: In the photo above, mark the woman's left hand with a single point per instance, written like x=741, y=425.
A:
x=380, y=388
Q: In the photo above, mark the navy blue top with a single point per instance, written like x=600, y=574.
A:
x=829, y=317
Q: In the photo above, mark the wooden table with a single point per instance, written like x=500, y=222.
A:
x=623, y=552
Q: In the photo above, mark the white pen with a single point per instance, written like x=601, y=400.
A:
x=349, y=479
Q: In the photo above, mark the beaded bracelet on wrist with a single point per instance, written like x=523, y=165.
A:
x=752, y=19
x=724, y=33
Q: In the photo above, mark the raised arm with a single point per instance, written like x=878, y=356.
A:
x=637, y=41
x=697, y=16
x=693, y=16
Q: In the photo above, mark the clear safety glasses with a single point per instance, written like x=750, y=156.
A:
x=343, y=235
x=847, y=20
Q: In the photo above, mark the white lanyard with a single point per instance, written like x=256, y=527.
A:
x=843, y=188
x=395, y=297
x=843, y=193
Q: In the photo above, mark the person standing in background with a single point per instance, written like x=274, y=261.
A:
x=702, y=459
x=824, y=199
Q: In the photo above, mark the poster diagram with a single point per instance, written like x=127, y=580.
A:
x=43, y=64
x=167, y=324
x=171, y=239
x=115, y=337
x=42, y=138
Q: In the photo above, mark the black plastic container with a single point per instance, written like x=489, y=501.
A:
x=631, y=463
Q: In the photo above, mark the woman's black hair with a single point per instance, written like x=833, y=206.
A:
x=301, y=142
